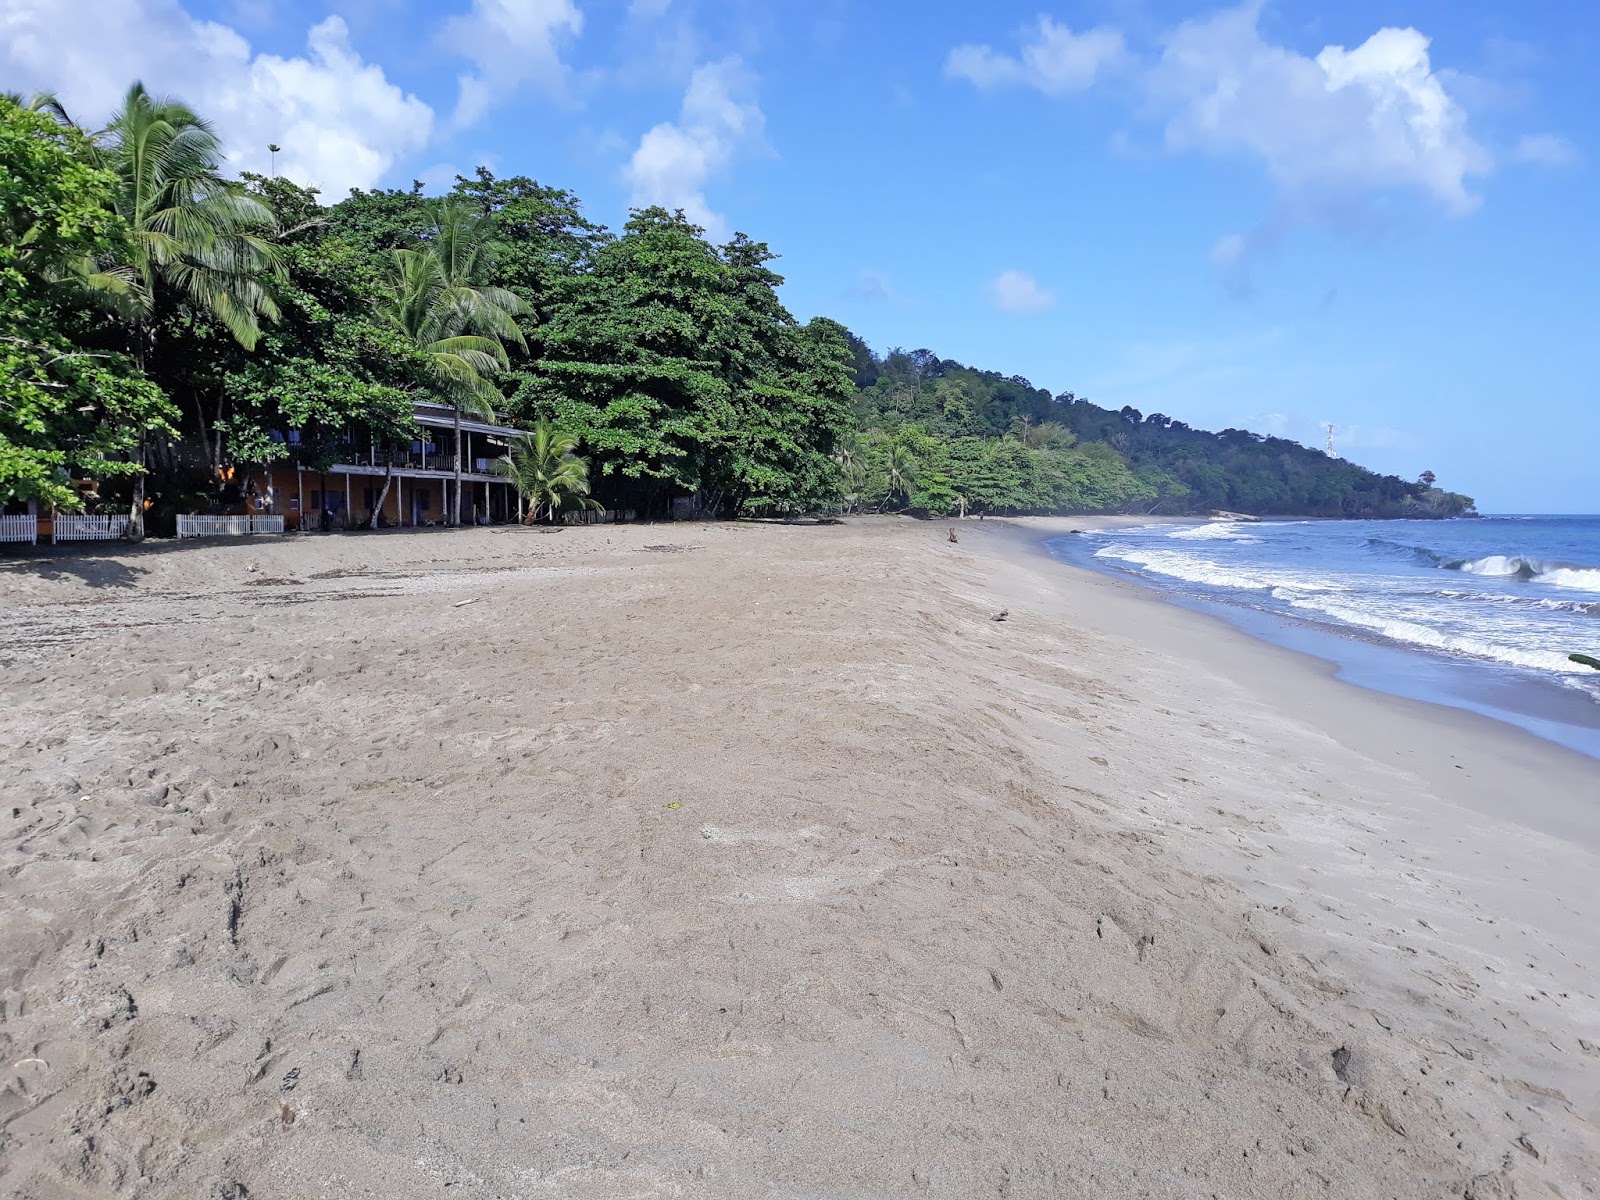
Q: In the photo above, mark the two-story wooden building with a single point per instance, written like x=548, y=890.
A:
x=342, y=494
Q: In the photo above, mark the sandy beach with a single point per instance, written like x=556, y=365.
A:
x=760, y=861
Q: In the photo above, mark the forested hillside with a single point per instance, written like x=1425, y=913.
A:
x=940, y=436
x=164, y=329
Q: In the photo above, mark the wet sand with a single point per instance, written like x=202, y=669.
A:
x=738, y=861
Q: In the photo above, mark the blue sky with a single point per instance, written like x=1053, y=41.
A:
x=1279, y=214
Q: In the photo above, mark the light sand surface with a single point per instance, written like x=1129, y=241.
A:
x=758, y=861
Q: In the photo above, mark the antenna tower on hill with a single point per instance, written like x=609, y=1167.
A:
x=1332, y=453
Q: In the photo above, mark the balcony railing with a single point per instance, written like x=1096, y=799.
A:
x=478, y=464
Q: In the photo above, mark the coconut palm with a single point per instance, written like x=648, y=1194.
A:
x=193, y=233
x=435, y=296
x=193, y=237
x=547, y=473
x=900, y=472
x=852, y=473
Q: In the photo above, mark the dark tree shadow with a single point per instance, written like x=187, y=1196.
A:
x=96, y=565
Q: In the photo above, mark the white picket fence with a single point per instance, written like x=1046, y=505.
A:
x=592, y=517
x=204, y=526
x=21, y=528
x=78, y=527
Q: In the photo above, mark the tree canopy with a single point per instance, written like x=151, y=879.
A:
x=161, y=321
x=1003, y=445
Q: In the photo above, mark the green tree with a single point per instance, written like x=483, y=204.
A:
x=852, y=471
x=64, y=408
x=899, y=473
x=193, y=238
x=545, y=242
x=327, y=370
x=436, y=297
x=547, y=472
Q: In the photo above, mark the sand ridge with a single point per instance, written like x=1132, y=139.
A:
x=711, y=861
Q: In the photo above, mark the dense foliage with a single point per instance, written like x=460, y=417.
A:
x=997, y=443
x=165, y=328
x=68, y=411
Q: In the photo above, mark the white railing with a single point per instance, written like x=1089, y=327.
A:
x=79, y=527
x=21, y=528
x=204, y=526
x=592, y=517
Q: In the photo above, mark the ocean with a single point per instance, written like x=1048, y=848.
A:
x=1480, y=614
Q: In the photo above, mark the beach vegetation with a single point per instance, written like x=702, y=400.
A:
x=73, y=411
x=1011, y=447
x=438, y=295
x=168, y=330
x=548, y=473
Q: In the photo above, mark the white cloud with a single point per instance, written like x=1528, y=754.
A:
x=1053, y=59
x=1330, y=130
x=1015, y=291
x=338, y=119
x=1338, y=132
x=675, y=159
x=511, y=43
x=1546, y=150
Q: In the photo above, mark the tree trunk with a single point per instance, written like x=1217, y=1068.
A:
x=383, y=497
x=216, y=428
x=456, y=520
x=136, y=513
x=205, y=436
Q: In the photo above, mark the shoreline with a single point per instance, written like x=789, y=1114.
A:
x=1373, y=719
x=1536, y=706
x=716, y=861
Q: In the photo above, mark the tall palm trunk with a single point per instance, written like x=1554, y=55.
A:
x=135, y=532
x=457, y=520
x=136, y=513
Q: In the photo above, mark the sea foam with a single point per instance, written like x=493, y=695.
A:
x=1532, y=570
x=1217, y=531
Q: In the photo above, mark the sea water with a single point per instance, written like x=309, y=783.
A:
x=1485, y=613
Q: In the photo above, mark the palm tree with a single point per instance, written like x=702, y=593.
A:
x=852, y=471
x=544, y=469
x=900, y=471
x=434, y=295
x=193, y=236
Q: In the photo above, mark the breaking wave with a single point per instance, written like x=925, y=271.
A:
x=1531, y=570
x=1217, y=531
x=1498, y=566
x=1194, y=568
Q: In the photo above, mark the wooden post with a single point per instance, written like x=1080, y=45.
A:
x=399, y=500
x=347, y=499
x=300, y=492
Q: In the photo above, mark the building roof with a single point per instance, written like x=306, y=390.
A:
x=442, y=414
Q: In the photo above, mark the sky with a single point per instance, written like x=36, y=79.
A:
x=1380, y=214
